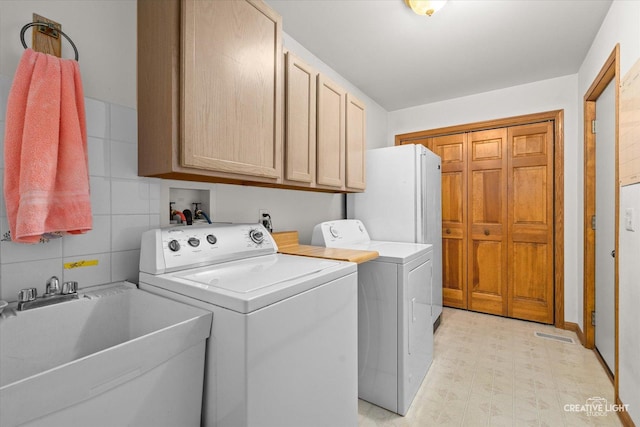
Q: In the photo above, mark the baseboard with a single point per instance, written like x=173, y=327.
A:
x=624, y=416
x=574, y=327
x=604, y=366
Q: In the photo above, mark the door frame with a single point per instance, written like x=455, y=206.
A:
x=610, y=72
x=558, y=183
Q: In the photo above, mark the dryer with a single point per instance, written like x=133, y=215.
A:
x=395, y=332
x=283, y=345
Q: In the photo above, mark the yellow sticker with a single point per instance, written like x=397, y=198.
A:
x=82, y=263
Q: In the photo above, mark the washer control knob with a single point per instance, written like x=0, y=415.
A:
x=256, y=236
x=212, y=239
x=193, y=242
x=174, y=246
x=333, y=231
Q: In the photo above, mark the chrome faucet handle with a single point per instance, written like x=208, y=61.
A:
x=69, y=288
x=27, y=294
x=53, y=287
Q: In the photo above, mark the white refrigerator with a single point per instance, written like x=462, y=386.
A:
x=402, y=203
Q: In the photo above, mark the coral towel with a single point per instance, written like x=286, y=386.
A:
x=46, y=179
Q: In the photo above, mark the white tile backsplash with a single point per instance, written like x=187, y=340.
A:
x=100, y=195
x=22, y=252
x=3, y=211
x=29, y=274
x=5, y=86
x=89, y=275
x=97, y=118
x=95, y=241
x=126, y=164
x=126, y=231
x=99, y=155
x=124, y=124
x=155, y=185
x=2, y=142
x=123, y=207
x=125, y=266
x=129, y=197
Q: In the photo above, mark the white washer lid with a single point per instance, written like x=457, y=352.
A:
x=249, y=284
x=256, y=273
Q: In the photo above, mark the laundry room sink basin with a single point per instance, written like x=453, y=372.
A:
x=90, y=361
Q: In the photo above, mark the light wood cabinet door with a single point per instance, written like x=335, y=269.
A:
x=231, y=103
x=300, y=121
x=330, y=152
x=355, y=144
x=487, y=229
x=530, y=217
x=452, y=150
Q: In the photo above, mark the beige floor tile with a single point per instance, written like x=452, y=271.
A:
x=492, y=371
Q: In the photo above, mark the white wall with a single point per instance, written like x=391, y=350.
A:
x=622, y=25
x=546, y=95
x=104, y=31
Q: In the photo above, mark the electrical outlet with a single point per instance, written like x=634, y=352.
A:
x=629, y=219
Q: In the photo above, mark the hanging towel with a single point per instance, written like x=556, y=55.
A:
x=46, y=179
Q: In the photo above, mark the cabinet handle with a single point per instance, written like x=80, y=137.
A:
x=486, y=232
x=448, y=231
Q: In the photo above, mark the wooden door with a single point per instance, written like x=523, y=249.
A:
x=452, y=150
x=331, y=135
x=530, y=219
x=231, y=109
x=300, y=121
x=487, y=221
x=355, y=123
x=426, y=141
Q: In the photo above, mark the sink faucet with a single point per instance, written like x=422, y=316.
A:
x=28, y=298
x=53, y=287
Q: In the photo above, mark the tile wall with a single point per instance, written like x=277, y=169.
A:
x=124, y=205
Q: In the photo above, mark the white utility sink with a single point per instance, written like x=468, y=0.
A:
x=115, y=356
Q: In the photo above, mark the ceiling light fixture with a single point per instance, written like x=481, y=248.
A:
x=425, y=7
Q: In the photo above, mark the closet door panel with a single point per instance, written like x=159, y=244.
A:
x=487, y=261
x=531, y=275
x=452, y=151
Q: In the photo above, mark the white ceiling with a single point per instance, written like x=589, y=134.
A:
x=400, y=59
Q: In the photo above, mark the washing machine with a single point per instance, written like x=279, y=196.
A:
x=395, y=332
x=283, y=345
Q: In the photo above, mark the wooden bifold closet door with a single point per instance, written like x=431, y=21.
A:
x=497, y=220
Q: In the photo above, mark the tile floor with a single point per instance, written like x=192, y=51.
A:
x=493, y=371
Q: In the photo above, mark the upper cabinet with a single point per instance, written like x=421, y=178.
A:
x=209, y=90
x=324, y=132
x=331, y=133
x=355, y=144
x=300, y=122
x=212, y=88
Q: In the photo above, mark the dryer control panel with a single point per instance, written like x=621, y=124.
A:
x=176, y=248
x=339, y=232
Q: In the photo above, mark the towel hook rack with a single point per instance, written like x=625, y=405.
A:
x=52, y=28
